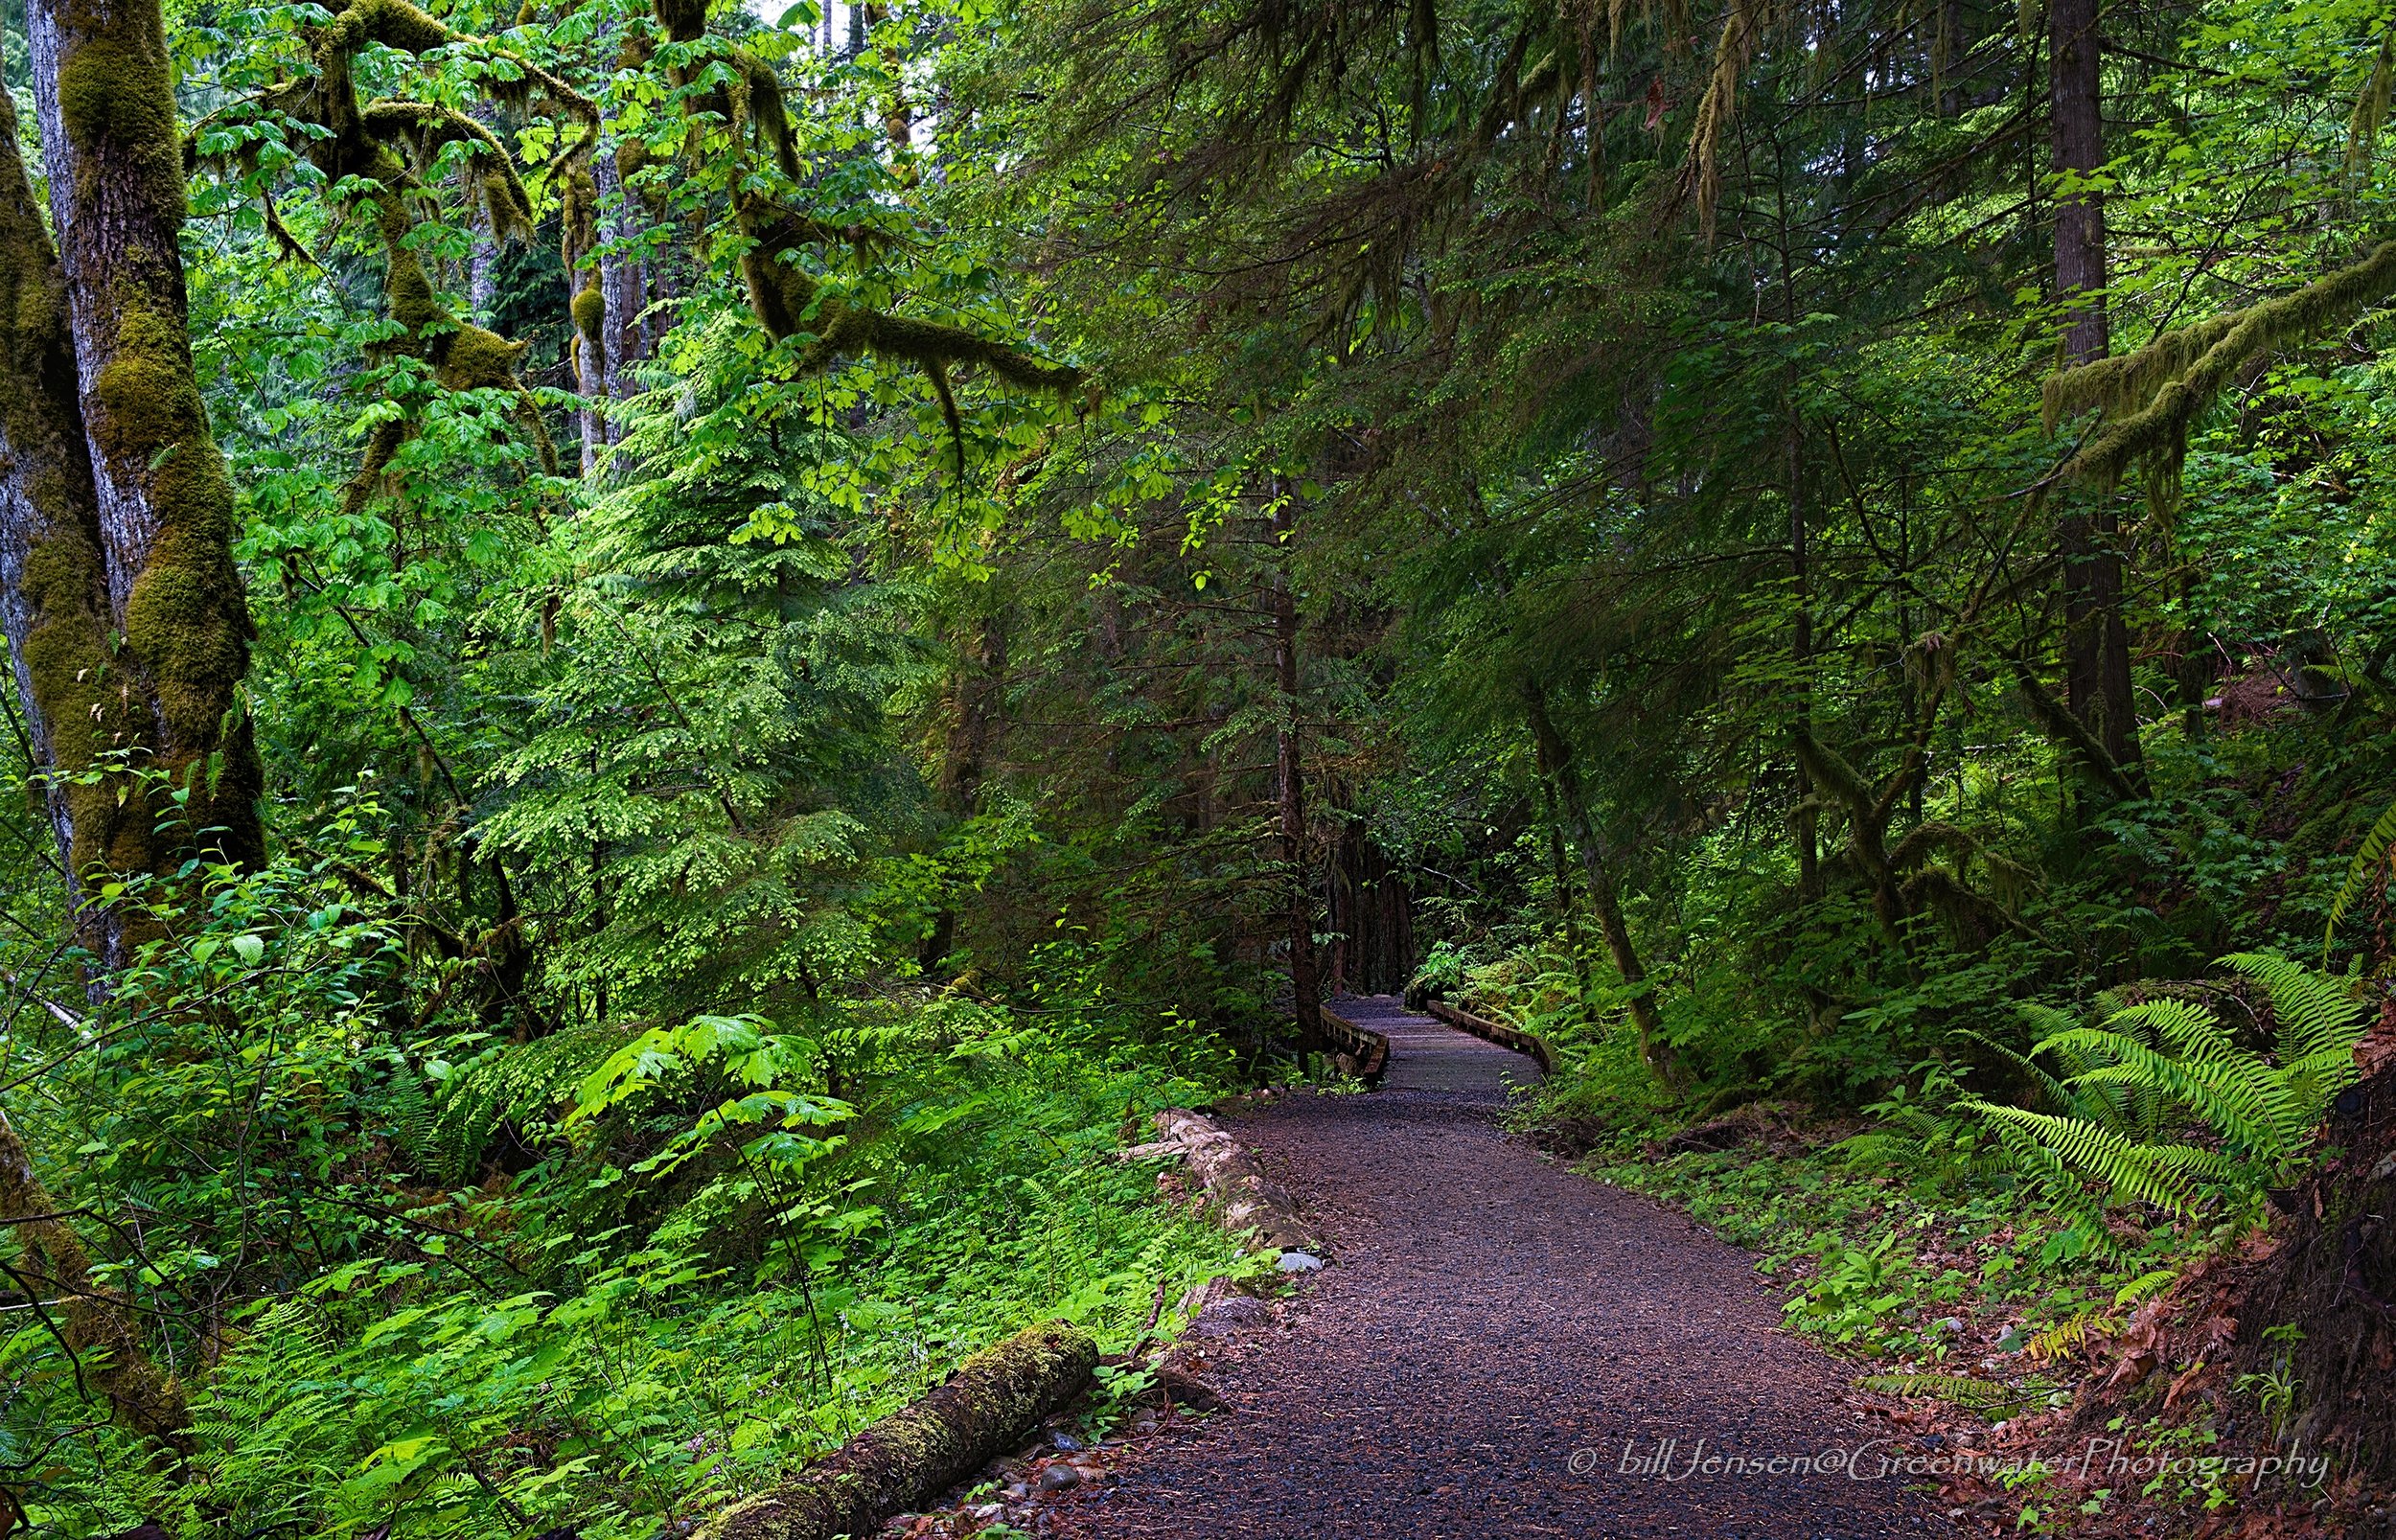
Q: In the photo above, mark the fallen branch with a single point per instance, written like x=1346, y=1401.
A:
x=990, y=1405
x=1238, y=1191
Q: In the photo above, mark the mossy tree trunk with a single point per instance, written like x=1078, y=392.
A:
x=81, y=700
x=103, y=90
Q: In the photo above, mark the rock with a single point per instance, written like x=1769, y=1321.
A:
x=1300, y=1262
x=1016, y=1492
x=1949, y=1325
x=1058, y=1477
x=1059, y=1439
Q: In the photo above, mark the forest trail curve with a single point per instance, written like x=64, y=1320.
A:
x=1499, y=1346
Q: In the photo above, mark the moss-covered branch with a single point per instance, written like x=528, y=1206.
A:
x=2151, y=397
x=790, y=302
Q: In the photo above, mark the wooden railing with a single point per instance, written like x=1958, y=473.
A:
x=1367, y=1049
x=1497, y=1032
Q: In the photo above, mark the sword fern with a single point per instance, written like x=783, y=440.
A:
x=2163, y=1105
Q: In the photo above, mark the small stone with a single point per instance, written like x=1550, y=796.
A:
x=1016, y=1492
x=1949, y=1325
x=1066, y=1441
x=1058, y=1476
x=1300, y=1262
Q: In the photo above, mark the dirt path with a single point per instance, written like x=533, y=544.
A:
x=1496, y=1334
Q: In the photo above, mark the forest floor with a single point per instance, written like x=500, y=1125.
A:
x=1501, y=1349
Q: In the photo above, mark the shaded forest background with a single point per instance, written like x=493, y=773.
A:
x=824, y=609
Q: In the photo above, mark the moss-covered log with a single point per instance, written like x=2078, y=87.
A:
x=988, y=1406
x=103, y=88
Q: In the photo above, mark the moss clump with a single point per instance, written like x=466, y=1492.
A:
x=591, y=313
x=116, y=96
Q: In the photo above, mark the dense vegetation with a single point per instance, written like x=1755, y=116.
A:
x=685, y=659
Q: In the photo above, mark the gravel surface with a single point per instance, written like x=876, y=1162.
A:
x=1497, y=1339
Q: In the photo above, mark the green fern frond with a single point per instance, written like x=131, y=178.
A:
x=2036, y=1073
x=2245, y=1111
x=2094, y=1151
x=2315, y=1012
x=2184, y=1026
x=2145, y=1286
x=2369, y=857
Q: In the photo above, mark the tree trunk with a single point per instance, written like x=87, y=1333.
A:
x=1289, y=781
x=2333, y=1274
x=1565, y=905
x=2097, y=682
x=102, y=87
x=624, y=280
x=1371, y=916
x=54, y=587
x=1556, y=761
x=981, y=693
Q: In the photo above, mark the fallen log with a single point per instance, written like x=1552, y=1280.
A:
x=989, y=1405
x=1240, y=1195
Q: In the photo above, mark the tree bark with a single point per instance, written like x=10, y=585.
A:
x=110, y=143
x=1556, y=761
x=2097, y=681
x=54, y=589
x=1289, y=780
x=1566, y=905
x=624, y=280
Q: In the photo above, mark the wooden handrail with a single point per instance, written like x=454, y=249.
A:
x=1498, y=1032
x=1369, y=1049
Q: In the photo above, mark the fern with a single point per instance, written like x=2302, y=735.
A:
x=2163, y=1065
x=521, y=1083
x=2369, y=857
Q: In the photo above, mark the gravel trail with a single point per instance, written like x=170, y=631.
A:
x=1498, y=1340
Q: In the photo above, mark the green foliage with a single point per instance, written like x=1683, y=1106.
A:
x=2164, y=1066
